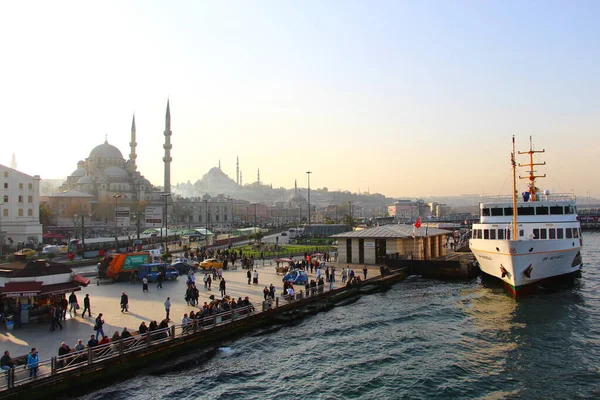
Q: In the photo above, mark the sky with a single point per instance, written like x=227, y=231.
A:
x=402, y=98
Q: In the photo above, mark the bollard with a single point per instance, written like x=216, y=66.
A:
x=276, y=302
x=173, y=332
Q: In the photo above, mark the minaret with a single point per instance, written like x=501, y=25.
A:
x=133, y=144
x=295, y=187
x=237, y=170
x=13, y=162
x=258, y=176
x=167, y=146
x=241, y=184
x=219, y=164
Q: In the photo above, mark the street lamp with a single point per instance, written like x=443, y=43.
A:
x=254, y=219
x=206, y=224
x=116, y=197
x=165, y=195
x=308, y=174
x=351, y=219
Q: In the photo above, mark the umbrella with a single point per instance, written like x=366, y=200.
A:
x=283, y=260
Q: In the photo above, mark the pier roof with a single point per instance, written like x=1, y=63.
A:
x=393, y=231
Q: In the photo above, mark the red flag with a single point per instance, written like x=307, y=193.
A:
x=418, y=223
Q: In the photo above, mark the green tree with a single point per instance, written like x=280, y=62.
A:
x=46, y=215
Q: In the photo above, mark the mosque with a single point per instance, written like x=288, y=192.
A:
x=105, y=172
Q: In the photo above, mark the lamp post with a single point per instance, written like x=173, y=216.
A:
x=308, y=174
x=165, y=195
x=351, y=219
x=206, y=222
x=116, y=197
x=254, y=219
x=138, y=214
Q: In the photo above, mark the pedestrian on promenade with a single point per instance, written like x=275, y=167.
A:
x=63, y=350
x=92, y=342
x=145, y=285
x=33, y=361
x=205, y=279
x=365, y=270
x=64, y=305
x=344, y=276
x=249, y=276
x=222, y=287
x=272, y=291
x=209, y=281
x=98, y=326
x=86, y=305
x=79, y=346
x=6, y=363
x=266, y=292
x=56, y=316
x=159, y=279
x=124, y=302
x=73, y=303
x=168, y=307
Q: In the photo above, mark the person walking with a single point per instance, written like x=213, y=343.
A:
x=222, y=287
x=365, y=270
x=249, y=276
x=205, y=279
x=159, y=279
x=86, y=305
x=168, y=307
x=124, y=302
x=145, y=285
x=209, y=281
x=33, y=360
x=56, y=316
x=98, y=326
x=255, y=279
x=73, y=303
x=344, y=275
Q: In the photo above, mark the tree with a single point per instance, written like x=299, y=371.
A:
x=46, y=215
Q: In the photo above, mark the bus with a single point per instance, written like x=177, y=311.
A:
x=95, y=247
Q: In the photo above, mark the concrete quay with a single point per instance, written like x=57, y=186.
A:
x=147, y=306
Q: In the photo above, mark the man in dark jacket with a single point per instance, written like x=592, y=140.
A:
x=124, y=302
x=73, y=303
x=86, y=305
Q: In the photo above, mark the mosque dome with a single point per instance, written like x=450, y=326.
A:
x=115, y=172
x=86, y=179
x=106, y=150
x=79, y=172
x=206, y=197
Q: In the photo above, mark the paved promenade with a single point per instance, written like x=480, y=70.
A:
x=148, y=306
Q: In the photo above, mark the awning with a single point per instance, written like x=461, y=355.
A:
x=21, y=289
x=59, y=288
x=53, y=236
x=81, y=280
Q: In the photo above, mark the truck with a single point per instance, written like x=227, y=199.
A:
x=150, y=271
x=123, y=265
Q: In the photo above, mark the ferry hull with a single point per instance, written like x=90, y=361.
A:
x=521, y=265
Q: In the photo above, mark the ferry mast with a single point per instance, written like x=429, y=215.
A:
x=531, y=172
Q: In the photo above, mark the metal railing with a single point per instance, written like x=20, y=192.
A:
x=20, y=374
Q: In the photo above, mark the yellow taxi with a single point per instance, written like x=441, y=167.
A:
x=210, y=263
x=27, y=252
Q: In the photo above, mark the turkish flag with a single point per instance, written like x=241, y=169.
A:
x=418, y=223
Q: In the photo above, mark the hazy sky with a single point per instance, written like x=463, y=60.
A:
x=404, y=98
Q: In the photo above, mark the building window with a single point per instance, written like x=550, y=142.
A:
x=225, y=217
x=5, y=185
x=5, y=199
x=30, y=212
x=217, y=218
x=5, y=212
x=6, y=174
x=30, y=186
x=30, y=199
x=20, y=199
x=20, y=212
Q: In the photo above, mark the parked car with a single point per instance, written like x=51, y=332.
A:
x=210, y=263
x=27, y=252
x=296, y=276
x=283, y=234
x=50, y=249
x=150, y=271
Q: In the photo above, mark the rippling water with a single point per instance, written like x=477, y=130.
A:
x=421, y=339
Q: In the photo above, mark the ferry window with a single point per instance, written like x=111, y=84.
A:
x=569, y=210
x=569, y=233
x=525, y=211
x=479, y=234
x=485, y=212
x=543, y=234
x=501, y=234
x=575, y=233
x=541, y=210
x=496, y=212
x=536, y=233
x=552, y=233
x=559, y=233
x=508, y=211
x=486, y=233
x=492, y=234
x=556, y=210
x=521, y=232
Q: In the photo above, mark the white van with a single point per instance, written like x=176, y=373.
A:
x=50, y=249
x=156, y=255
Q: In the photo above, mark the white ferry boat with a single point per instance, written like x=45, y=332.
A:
x=548, y=237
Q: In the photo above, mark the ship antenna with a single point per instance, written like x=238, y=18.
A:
x=531, y=172
x=514, y=197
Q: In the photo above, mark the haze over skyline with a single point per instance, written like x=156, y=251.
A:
x=408, y=99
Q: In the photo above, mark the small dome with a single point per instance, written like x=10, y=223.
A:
x=106, y=150
x=79, y=172
x=115, y=171
x=206, y=197
x=85, y=179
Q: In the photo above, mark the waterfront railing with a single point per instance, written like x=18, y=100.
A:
x=94, y=356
